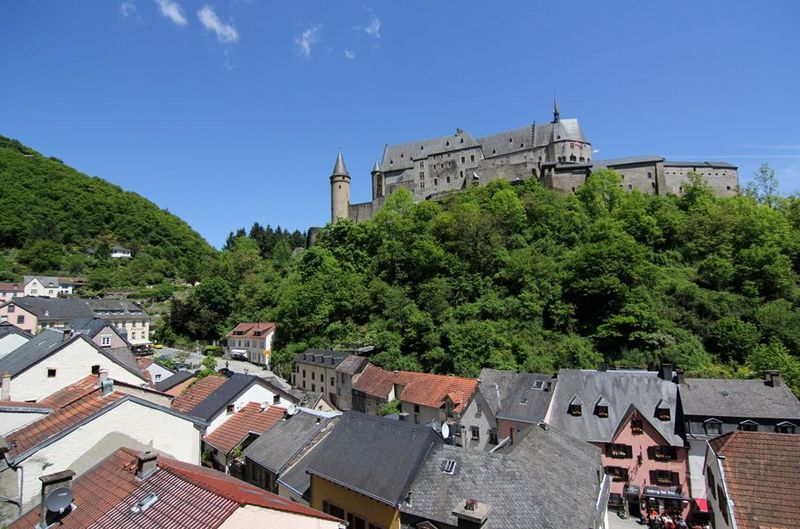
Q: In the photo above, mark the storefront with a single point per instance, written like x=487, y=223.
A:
x=632, y=496
x=664, y=500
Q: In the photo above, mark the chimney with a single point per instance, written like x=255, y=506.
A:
x=66, y=335
x=5, y=392
x=146, y=464
x=106, y=384
x=56, y=497
x=666, y=371
x=679, y=379
x=772, y=378
x=472, y=514
x=602, y=367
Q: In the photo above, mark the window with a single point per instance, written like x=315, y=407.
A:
x=105, y=340
x=422, y=174
x=493, y=436
x=662, y=413
x=304, y=373
x=463, y=160
x=276, y=399
x=601, y=408
x=229, y=409
x=448, y=179
x=574, y=407
x=20, y=318
x=333, y=381
x=712, y=427
x=333, y=510
x=662, y=453
x=51, y=373
x=313, y=374
x=422, y=165
x=649, y=175
x=619, y=451
x=475, y=433
x=785, y=427
x=664, y=477
x=449, y=466
x=96, y=370
x=617, y=473
x=356, y=522
x=748, y=426
x=11, y=308
x=636, y=426
x=158, y=377
x=471, y=157
x=710, y=481
x=34, y=291
x=313, y=387
x=723, y=503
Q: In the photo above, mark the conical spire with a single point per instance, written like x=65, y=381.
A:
x=376, y=168
x=340, y=169
x=556, y=113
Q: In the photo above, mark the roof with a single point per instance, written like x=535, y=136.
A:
x=516, y=396
x=720, y=165
x=760, y=475
x=354, y=455
x=352, y=364
x=276, y=447
x=252, y=330
x=402, y=156
x=340, y=169
x=431, y=390
x=296, y=476
x=321, y=357
x=375, y=381
x=630, y=160
x=738, y=398
x=11, y=287
x=189, y=497
x=196, y=393
x=547, y=471
x=622, y=389
x=9, y=328
x=48, y=281
x=69, y=309
x=48, y=342
x=251, y=419
x=92, y=326
x=172, y=381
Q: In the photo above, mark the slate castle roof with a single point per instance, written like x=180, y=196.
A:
x=703, y=397
x=622, y=389
x=354, y=455
x=516, y=396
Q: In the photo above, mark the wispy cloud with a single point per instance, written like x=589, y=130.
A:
x=224, y=32
x=349, y=54
x=373, y=29
x=776, y=146
x=305, y=42
x=128, y=9
x=173, y=11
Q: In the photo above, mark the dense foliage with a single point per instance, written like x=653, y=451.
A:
x=57, y=220
x=526, y=278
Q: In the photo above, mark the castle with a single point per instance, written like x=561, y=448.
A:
x=557, y=153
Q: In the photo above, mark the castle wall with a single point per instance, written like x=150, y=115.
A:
x=643, y=177
x=724, y=181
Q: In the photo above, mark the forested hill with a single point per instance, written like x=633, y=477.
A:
x=521, y=277
x=64, y=222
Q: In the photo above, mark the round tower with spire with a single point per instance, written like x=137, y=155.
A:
x=377, y=181
x=340, y=190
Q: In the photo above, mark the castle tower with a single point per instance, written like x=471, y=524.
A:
x=556, y=113
x=340, y=190
x=377, y=182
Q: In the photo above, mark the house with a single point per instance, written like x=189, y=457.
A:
x=44, y=286
x=215, y=399
x=549, y=481
x=315, y=370
x=252, y=341
x=373, y=388
x=130, y=489
x=362, y=470
x=101, y=331
x=55, y=359
x=154, y=372
x=347, y=372
x=506, y=402
x=86, y=422
x=281, y=448
x=11, y=337
x=33, y=314
x=9, y=291
x=223, y=446
x=752, y=480
x=712, y=407
x=176, y=383
x=118, y=252
x=633, y=417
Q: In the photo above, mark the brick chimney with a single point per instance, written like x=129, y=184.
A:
x=56, y=489
x=472, y=514
x=146, y=464
x=679, y=378
x=666, y=371
x=772, y=378
x=5, y=391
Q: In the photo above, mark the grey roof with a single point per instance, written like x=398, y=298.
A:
x=51, y=340
x=567, y=130
x=9, y=328
x=630, y=160
x=515, y=396
x=227, y=392
x=172, y=381
x=72, y=308
x=373, y=456
x=340, y=169
x=321, y=357
x=721, y=165
x=622, y=389
x=550, y=480
x=295, y=476
x=276, y=447
x=48, y=281
x=507, y=142
x=402, y=156
x=376, y=168
x=352, y=364
x=92, y=326
x=738, y=398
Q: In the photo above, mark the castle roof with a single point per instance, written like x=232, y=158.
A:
x=340, y=169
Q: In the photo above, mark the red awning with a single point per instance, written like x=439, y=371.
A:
x=700, y=504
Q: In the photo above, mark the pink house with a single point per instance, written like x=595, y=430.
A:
x=632, y=417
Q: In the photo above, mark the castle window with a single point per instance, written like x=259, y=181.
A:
x=401, y=155
x=448, y=179
x=461, y=174
x=649, y=175
x=521, y=145
x=461, y=140
x=510, y=140
x=422, y=164
x=581, y=158
x=421, y=147
x=422, y=174
x=572, y=158
x=494, y=151
x=463, y=159
x=435, y=182
x=448, y=144
x=728, y=188
x=471, y=157
x=630, y=186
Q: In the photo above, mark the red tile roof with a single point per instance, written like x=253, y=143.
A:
x=760, y=475
x=197, y=393
x=143, y=364
x=11, y=287
x=189, y=497
x=248, y=330
x=424, y=389
x=238, y=426
x=70, y=406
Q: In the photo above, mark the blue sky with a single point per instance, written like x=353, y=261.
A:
x=228, y=112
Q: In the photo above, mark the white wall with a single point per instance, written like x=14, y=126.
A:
x=72, y=363
x=12, y=420
x=10, y=342
x=255, y=393
x=249, y=516
x=155, y=369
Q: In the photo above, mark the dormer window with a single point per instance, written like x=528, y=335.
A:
x=712, y=427
x=574, y=408
x=748, y=426
x=636, y=426
x=785, y=427
x=663, y=411
x=601, y=407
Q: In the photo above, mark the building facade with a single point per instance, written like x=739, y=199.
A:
x=252, y=342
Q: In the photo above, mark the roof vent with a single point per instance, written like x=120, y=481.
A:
x=449, y=467
x=145, y=503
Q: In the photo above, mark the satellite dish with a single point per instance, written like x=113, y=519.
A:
x=445, y=431
x=291, y=410
x=59, y=500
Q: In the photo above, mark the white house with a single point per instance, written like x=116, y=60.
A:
x=44, y=286
x=11, y=337
x=118, y=252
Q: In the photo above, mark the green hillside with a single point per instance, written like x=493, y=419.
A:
x=57, y=220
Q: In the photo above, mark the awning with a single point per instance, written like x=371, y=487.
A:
x=666, y=493
x=239, y=351
x=700, y=505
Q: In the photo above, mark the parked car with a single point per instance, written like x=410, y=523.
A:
x=225, y=371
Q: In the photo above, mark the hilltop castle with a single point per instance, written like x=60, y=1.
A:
x=557, y=153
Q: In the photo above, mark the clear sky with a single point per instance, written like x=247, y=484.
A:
x=228, y=112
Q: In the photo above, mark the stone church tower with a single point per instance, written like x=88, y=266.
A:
x=340, y=191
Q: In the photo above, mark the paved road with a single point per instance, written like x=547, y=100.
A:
x=237, y=366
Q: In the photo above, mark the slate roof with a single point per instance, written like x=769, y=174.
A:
x=251, y=419
x=738, y=398
x=321, y=357
x=68, y=309
x=50, y=341
x=761, y=477
x=721, y=165
x=187, y=401
x=92, y=326
x=296, y=476
x=276, y=447
x=47, y=281
x=402, y=156
x=189, y=497
x=9, y=328
x=516, y=396
x=174, y=380
x=630, y=160
x=622, y=389
x=352, y=364
x=354, y=455
x=550, y=478
x=249, y=330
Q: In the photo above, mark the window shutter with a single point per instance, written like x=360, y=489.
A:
x=653, y=477
x=676, y=479
x=651, y=452
x=629, y=452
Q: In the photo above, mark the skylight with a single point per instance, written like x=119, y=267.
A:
x=449, y=467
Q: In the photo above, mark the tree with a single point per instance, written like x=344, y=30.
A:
x=764, y=186
x=733, y=339
x=42, y=256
